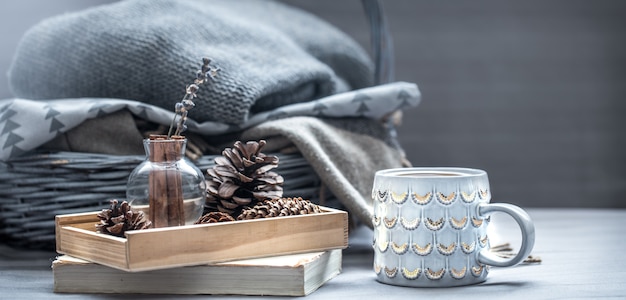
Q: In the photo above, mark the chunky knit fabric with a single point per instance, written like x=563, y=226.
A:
x=270, y=54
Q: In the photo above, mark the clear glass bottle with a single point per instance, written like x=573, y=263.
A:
x=166, y=186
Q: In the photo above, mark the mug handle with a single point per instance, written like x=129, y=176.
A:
x=528, y=234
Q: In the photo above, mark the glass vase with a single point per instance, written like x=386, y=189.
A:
x=166, y=186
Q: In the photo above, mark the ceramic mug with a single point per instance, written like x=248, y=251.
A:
x=430, y=227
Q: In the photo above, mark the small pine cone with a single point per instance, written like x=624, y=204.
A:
x=120, y=218
x=242, y=177
x=279, y=208
x=260, y=210
x=215, y=217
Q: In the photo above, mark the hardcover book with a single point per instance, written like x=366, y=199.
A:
x=288, y=275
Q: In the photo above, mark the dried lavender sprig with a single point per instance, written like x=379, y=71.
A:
x=182, y=108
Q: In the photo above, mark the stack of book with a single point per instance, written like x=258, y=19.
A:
x=285, y=256
x=287, y=275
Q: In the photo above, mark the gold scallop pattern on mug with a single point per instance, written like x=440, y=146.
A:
x=391, y=273
x=382, y=195
x=483, y=241
x=423, y=251
x=399, y=249
x=399, y=198
x=483, y=194
x=409, y=224
x=383, y=246
x=446, y=200
x=434, y=275
x=458, y=224
x=411, y=275
x=477, y=222
x=446, y=250
x=377, y=268
x=389, y=223
x=468, y=248
x=458, y=274
x=434, y=225
x=422, y=200
x=468, y=198
x=376, y=221
x=477, y=270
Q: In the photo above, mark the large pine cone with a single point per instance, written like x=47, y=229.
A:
x=120, y=218
x=279, y=208
x=241, y=177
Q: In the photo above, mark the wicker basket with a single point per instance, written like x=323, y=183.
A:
x=36, y=187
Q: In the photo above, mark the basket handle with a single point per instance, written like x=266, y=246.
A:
x=380, y=41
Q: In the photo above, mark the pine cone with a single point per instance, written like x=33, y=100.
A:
x=241, y=178
x=278, y=208
x=215, y=217
x=120, y=218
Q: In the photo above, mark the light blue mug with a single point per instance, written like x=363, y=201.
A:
x=430, y=227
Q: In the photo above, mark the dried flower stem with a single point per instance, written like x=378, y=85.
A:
x=182, y=108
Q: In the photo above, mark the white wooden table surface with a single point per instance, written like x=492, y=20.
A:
x=583, y=254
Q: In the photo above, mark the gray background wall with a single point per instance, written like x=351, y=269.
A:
x=531, y=91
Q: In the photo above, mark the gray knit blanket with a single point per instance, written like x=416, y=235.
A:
x=271, y=55
x=286, y=76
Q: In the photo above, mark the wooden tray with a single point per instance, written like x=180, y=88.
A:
x=162, y=248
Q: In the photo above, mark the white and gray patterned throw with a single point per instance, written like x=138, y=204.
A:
x=28, y=124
